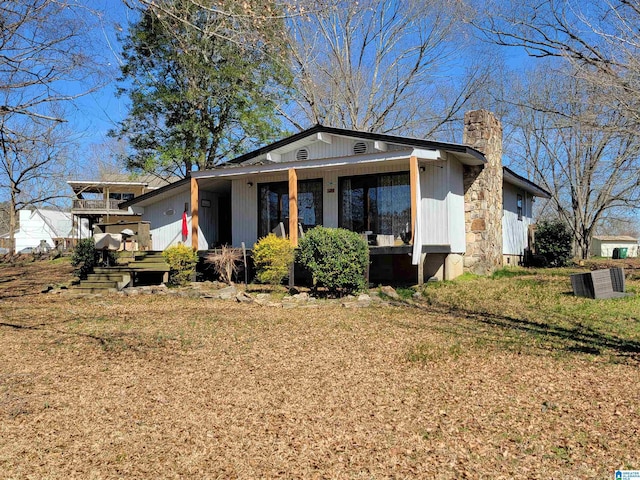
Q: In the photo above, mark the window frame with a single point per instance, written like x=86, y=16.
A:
x=519, y=206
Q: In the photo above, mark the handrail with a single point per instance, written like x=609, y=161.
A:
x=92, y=204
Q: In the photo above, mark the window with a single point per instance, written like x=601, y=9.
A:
x=121, y=196
x=519, y=206
x=273, y=205
x=380, y=204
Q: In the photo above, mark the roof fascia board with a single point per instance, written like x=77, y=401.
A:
x=154, y=193
x=322, y=163
x=527, y=185
x=100, y=183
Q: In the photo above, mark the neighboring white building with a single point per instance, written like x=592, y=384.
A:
x=53, y=227
x=603, y=245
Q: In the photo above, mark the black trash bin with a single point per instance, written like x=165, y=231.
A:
x=616, y=253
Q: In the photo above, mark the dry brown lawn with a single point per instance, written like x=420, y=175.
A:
x=169, y=387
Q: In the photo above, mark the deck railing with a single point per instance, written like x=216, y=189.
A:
x=98, y=205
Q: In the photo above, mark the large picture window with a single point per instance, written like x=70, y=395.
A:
x=380, y=204
x=273, y=205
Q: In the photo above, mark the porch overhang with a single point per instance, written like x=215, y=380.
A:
x=332, y=163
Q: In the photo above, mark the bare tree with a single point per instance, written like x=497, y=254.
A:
x=249, y=24
x=42, y=67
x=580, y=148
x=600, y=38
x=376, y=65
x=34, y=166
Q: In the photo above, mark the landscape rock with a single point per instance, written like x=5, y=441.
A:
x=390, y=292
x=227, y=293
x=244, y=297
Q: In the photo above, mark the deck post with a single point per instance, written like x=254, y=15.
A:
x=194, y=213
x=413, y=180
x=293, y=207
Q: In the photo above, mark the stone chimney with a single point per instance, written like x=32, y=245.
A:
x=483, y=194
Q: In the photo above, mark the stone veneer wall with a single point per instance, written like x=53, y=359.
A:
x=483, y=194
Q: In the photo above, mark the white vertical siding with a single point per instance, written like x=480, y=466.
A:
x=514, y=231
x=244, y=212
x=434, y=187
x=455, y=207
x=339, y=147
x=165, y=217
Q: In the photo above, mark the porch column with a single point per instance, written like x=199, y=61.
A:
x=293, y=207
x=194, y=213
x=413, y=180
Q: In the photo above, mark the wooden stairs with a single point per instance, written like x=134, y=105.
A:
x=145, y=268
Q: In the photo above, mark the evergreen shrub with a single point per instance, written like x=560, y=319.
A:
x=337, y=259
x=85, y=257
x=553, y=241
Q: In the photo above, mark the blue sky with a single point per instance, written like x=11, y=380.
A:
x=94, y=114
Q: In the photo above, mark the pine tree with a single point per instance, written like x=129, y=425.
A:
x=197, y=98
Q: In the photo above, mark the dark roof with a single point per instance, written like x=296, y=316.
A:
x=154, y=193
x=525, y=183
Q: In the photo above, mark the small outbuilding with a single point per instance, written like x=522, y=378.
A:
x=605, y=246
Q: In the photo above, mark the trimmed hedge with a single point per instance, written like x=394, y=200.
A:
x=337, y=259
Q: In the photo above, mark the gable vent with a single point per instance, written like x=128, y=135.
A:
x=359, y=148
x=302, y=154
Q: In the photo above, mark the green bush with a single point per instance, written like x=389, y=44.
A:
x=85, y=257
x=272, y=257
x=553, y=241
x=182, y=262
x=337, y=259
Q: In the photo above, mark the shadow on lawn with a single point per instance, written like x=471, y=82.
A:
x=108, y=341
x=581, y=339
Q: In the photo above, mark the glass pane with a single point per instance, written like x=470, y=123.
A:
x=310, y=203
x=377, y=203
x=274, y=205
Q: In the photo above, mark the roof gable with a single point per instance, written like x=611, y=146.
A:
x=325, y=142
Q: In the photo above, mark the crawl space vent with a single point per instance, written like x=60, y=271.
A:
x=359, y=148
x=302, y=154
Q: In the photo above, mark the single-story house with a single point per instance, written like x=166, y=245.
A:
x=603, y=245
x=428, y=209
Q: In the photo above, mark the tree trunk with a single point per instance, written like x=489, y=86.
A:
x=12, y=223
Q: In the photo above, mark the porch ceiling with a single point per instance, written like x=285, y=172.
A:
x=219, y=185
